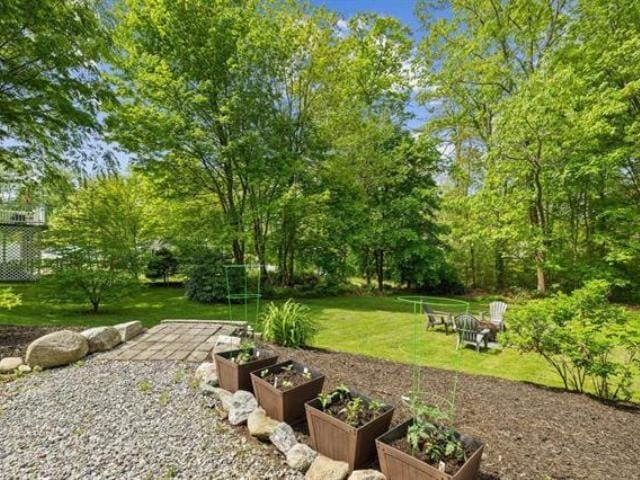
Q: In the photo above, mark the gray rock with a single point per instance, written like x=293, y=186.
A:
x=367, y=475
x=101, y=339
x=206, y=374
x=129, y=330
x=225, y=343
x=56, y=349
x=259, y=425
x=242, y=404
x=283, y=437
x=301, y=456
x=324, y=468
x=9, y=364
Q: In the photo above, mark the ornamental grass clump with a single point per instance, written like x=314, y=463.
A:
x=289, y=324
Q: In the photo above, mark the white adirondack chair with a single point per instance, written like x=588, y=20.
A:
x=496, y=313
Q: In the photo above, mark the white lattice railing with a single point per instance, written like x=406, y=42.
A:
x=35, y=216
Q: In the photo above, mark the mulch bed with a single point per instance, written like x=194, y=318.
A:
x=530, y=432
x=15, y=339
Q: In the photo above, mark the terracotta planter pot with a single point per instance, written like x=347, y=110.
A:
x=233, y=377
x=399, y=465
x=286, y=406
x=336, y=439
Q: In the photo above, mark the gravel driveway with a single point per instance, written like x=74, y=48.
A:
x=123, y=420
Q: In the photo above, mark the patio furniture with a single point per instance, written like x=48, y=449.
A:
x=496, y=314
x=433, y=317
x=470, y=332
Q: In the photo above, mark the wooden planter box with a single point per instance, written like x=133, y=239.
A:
x=233, y=377
x=286, y=406
x=398, y=465
x=335, y=439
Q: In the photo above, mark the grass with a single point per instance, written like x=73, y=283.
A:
x=379, y=326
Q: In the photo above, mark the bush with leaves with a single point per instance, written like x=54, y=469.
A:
x=162, y=265
x=8, y=299
x=586, y=339
x=206, y=280
x=289, y=324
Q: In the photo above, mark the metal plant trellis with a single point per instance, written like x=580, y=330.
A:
x=245, y=295
x=417, y=302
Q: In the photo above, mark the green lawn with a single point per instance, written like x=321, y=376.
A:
x=371, y=325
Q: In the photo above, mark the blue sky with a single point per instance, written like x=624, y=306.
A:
x=401, y=9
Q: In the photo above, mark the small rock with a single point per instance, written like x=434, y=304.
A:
x=301, y=456
x=128, y=330
x=9, y=364
x=324, y=468
x=206, y=374
x=24, y=369
x=367, y=475
x=283, y=437
x=57, y=348
x=101, y=339
x=222, y=395
x=242, y=404
x=259, y=425
x=470, y=442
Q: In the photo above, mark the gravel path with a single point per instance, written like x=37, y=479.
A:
x=123, y=420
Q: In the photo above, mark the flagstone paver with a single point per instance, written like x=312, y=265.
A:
x=182, y=340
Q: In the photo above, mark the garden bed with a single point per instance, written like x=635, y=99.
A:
x=15, y=339
x=528, y=431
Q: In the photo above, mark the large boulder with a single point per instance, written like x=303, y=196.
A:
x=324, y=468
x=283, y=437
x=259, y=425
x=242, y=404
x=9, y=364
x=301, y=456
x=101, y=339
x=56, y=349
x=128, y=330
x=367, y=475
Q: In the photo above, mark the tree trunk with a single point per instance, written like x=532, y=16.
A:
x=380, y=269
x=542, y=287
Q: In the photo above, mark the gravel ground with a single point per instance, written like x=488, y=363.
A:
x=123, y=420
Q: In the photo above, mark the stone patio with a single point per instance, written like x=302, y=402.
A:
x=179, y=340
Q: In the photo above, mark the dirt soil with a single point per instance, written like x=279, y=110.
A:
x=530, y=432
x=14, y=339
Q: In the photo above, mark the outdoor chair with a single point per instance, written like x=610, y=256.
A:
x=433, y=317
x=470, y=332
x=496, y=314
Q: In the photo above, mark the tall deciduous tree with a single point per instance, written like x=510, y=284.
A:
x=50, y=85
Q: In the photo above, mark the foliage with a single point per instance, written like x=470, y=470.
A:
x=84, y=276
x=206, y=281
x=289, y=324
x=534, y=103
x=8, y=299
x=583, y=337
x=98, y=241
x=431, y=437
x=162, y=264
x=50, y=85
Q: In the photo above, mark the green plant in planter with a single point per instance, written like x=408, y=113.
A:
x=375, y=406
x=353, y=411
x=245, y=354
x=430, y=435
x=325, y=399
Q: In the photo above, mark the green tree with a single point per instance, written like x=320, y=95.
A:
x=100, y=240
x=162, y=264
x=50, y=86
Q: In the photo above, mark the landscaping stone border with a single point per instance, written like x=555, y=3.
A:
x=241, y=408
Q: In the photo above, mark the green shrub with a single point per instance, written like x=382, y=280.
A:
x=206, y=280
x=8, y=299
x=583, y=337
x=289, y=324
x=162, y=265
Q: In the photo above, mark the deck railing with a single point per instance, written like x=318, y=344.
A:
x=34, y=216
